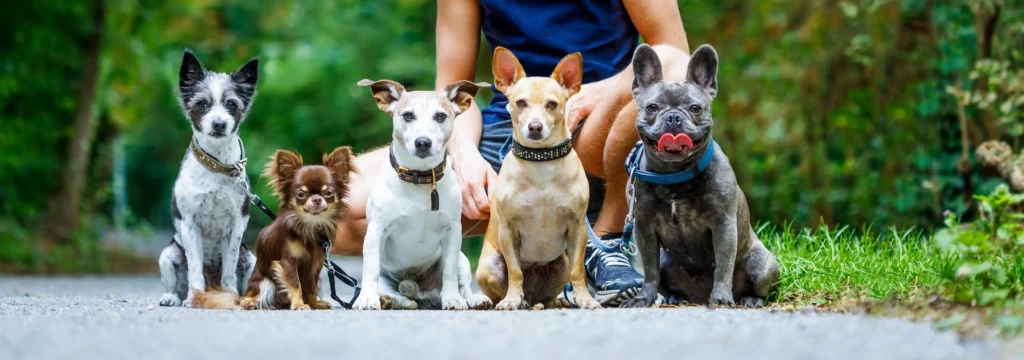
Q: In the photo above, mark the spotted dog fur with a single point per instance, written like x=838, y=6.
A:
x=210, y=210
x=695, y=238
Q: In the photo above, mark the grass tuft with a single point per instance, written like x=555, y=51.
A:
x=819, y=265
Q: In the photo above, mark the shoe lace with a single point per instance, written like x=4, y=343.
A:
x=614, y=259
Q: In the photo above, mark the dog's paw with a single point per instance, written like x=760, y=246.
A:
x=479, y=302
x=188, y=301
x=453, y=302
x=675, y=300
x=170, y=300
x=386, y=303
x=367, y=302
x=638, y=302
x=512, y=303
x=248, y=304
x=321, y=305
x=721, y=298
x=559, y=303
x=299, y=306
x=752, y=301
x=588, y=304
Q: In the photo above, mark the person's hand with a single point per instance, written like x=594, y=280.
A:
x=477, y=178
x=583, y=103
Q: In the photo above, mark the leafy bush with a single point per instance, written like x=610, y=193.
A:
x=990, y=251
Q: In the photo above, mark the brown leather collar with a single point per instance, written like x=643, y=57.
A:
x=215, y=165
x=431, y=176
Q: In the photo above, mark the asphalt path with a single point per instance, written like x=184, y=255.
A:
x=118, y=317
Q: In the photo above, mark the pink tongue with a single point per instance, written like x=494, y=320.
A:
x=676, y=142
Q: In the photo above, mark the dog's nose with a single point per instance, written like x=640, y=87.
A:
x=535, y=127
x=673, y=119
x=423, y=143
x=317, y=200
x=220, y=125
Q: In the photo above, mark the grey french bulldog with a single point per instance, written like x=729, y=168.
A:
x=694, y=237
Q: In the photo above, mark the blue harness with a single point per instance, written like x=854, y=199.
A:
x=633, y=168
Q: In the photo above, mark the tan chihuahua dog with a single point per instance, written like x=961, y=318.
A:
x=537, y=232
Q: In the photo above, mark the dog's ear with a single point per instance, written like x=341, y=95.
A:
x=190, y=74
x=703, y=69
x=506, y=68
x=339, y=162
x=569, y=73
x=245, y=77
x=461, y=93
x=385, y=92
x=281, y=170
x=646, y=68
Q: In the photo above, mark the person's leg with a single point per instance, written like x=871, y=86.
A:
x=608, y=135
x=350, y=231
x=604, y=142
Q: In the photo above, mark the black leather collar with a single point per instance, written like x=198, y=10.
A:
x=543, y=154
x=422, y=177
x=419, y=176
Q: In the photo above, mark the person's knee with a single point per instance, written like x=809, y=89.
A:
x=673, y=61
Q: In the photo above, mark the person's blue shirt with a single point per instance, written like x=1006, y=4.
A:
x=541, y=32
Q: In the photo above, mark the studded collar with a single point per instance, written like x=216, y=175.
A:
x=211, y=163
x=542, y=154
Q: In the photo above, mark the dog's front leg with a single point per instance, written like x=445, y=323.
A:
x=451, y=247
x=369, y=297
x=229, y=259
x=508, y=240
x=575, y=248
x=649, y=245
x=191, y=237
x=724, y=238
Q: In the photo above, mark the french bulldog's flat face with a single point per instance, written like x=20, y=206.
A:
x=674, y=118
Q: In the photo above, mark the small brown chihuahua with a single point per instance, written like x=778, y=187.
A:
x=288, y=252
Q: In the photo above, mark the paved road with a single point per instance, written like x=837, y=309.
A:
x=114, y=318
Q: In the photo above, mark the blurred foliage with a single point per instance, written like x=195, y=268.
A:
x=990, y=252
x=838, y=111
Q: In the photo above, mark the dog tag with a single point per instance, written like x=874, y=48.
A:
x=435, y=200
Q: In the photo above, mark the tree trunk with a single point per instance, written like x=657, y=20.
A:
x=985, y=20
x=62, y=218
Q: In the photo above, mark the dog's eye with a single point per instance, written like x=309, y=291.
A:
x=521, y=103
x=440, y=117
x=202, y=105
x=408, y=116
x=652, y=108
x=328, y=193
x=230, y=105
x=551, y=105
x=301, y=194
x=694, y=109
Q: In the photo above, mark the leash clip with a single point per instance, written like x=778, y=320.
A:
x=238, y=168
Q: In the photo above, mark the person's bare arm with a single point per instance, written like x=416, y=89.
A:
x=658, y=22
x=660, y=25
x=458, y=42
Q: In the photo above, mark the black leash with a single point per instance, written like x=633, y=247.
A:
x=333, y=270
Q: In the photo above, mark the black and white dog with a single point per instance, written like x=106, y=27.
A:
x=209, y=203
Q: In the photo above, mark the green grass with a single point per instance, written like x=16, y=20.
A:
x=820, y=265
